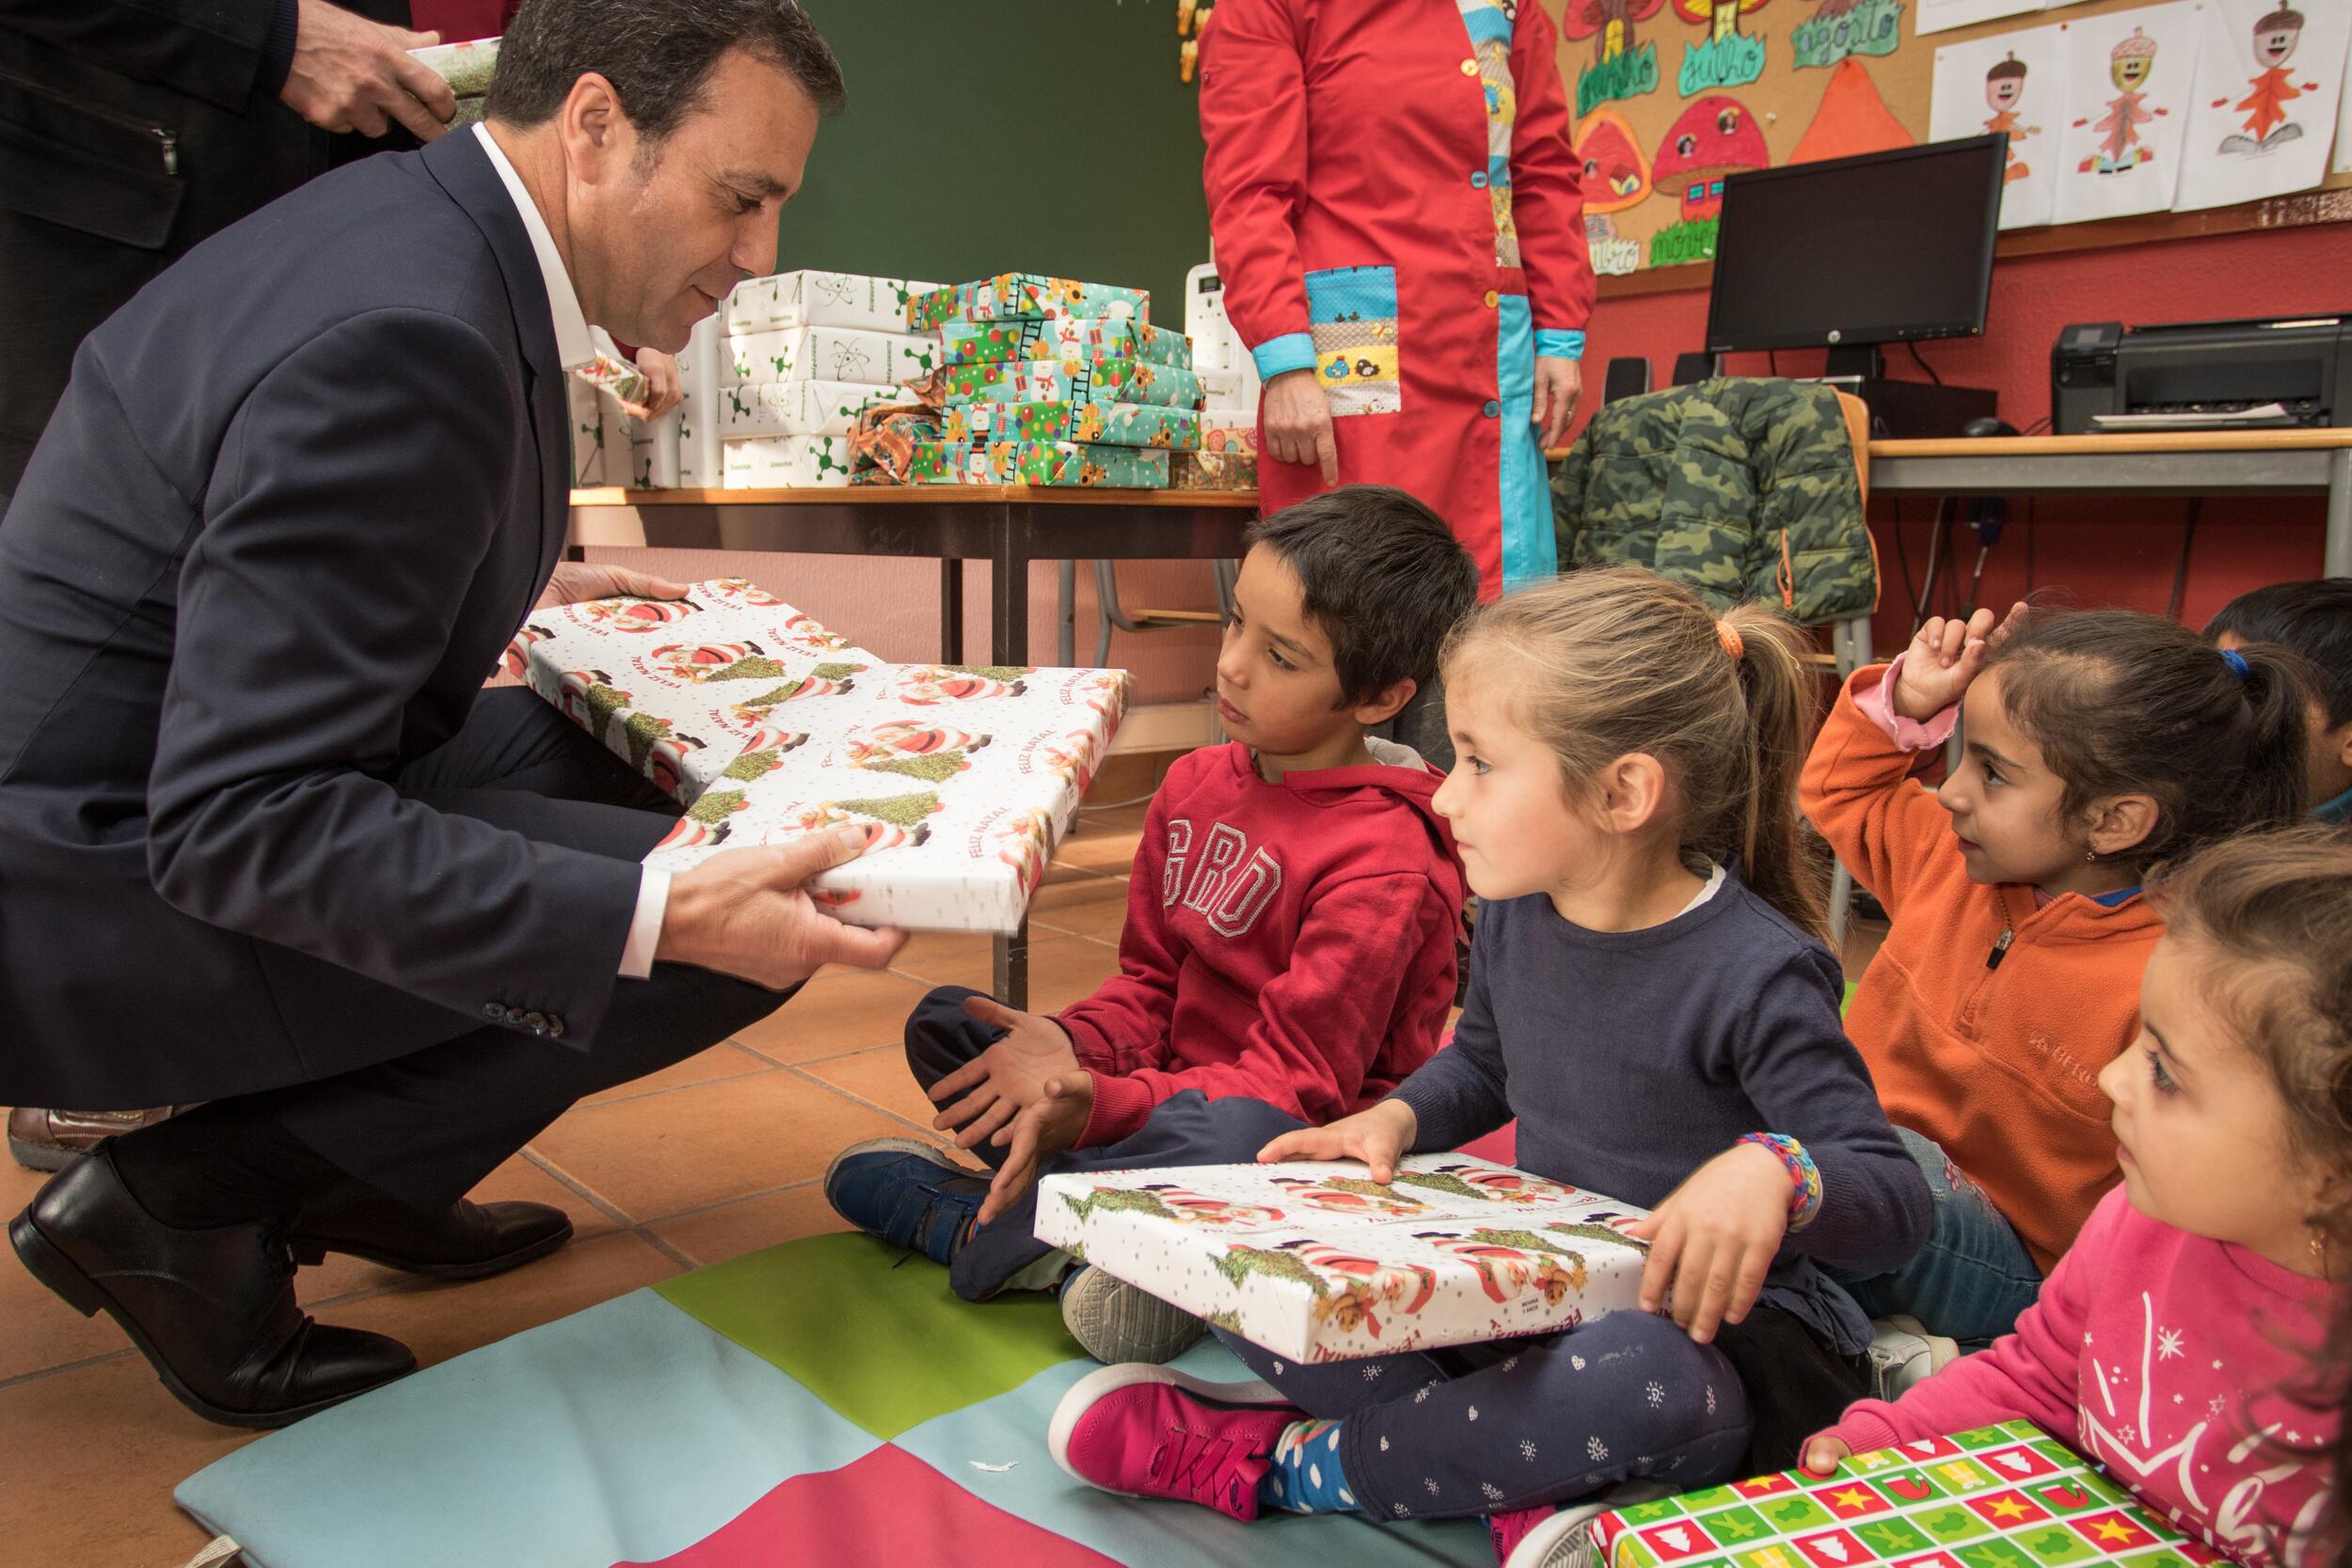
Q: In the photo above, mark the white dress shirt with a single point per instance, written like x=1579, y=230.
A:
x=575, y=346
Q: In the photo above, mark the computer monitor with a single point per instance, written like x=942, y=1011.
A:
x=1877, y=249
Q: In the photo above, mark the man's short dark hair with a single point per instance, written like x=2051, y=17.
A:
x=1382, y=576
x=2313, y=619
x=658, y=55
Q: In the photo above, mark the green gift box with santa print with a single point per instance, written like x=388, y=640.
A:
x=1014, y=295
x=1107, y=424
x=1999, y=1496
x=1073, y=378
x=1075, y=463
x=1058, y=336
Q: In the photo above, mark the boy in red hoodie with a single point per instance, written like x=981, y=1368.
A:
x=1288, y=953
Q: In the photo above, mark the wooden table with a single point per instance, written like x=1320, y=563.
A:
x=1008, y=526
x=2172, y=463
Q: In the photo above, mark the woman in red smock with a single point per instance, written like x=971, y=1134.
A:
x=1401, y=239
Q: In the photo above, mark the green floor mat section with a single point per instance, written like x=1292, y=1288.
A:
x=874, y=1331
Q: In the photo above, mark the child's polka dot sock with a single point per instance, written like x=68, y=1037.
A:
x=1305, y=1476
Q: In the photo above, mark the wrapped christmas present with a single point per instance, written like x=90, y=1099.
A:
x=588, y=431
x=887, y=445
x=1109, y=424
x=829, y=353
x=1074, y=463
x=1228, y=429
x=2001, y=1497
x=625, y=380
x=1317, y=1262
x=1058, y=336
x=792, y=299
x=775, y=460
x=1013, y=295
x=468, y=68
x=700, y=461
x=1073, y=378
x=766, y=725
x=798, y=408
x=1230, y=470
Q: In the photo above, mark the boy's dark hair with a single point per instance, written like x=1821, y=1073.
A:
x=1381, y=574
x=2313, y=619
x=2122, y=703
x=658, y=57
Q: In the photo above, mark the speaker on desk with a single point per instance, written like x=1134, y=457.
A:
x=1697, y=366
x=1626, y=377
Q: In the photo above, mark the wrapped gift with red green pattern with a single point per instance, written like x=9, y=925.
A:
x=1058, y=336
x=1073, y=378
x=1075, y=463
x=765, y=726
x=1014, y=295
x=2001, y=1497
x=1107, y=424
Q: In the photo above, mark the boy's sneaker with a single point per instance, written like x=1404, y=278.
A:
x=1115, y=1322
x=1147, y=1432
x=1560, y=1537
x=1904, y=1353
x=908, y=1192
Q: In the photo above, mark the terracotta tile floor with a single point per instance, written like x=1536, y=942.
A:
x=713, y=1157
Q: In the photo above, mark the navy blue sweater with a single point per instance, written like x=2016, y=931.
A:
x=1632, y=1058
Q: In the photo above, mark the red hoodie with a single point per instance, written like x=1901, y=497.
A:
x=1290, y=941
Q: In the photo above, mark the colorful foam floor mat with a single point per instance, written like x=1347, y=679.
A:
x=827, y=1401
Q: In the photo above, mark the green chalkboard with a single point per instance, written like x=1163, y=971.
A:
x=1007, y=135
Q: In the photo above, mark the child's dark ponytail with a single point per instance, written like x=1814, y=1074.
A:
x=2126, y=703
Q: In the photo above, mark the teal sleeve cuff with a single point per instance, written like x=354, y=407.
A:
x=1291, y=351
x=1559, y=343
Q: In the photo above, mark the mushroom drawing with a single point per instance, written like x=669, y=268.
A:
x=1616, y=176
x=1713, y=138
x=1608, y=22
x=1722, y=17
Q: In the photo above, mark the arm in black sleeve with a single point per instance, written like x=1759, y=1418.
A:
x=1457, y=1095
x=220, y=50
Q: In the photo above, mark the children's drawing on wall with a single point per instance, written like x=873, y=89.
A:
x=1852, y=119
x=1729, y=58
x=2127, y=79
x=1841, y=28
x=1622, y=67
x=1714, y=137
x=2011, y=86
x=2263, y=108
x=1616, y=177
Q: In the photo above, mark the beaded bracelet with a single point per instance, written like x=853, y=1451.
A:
x=1805, y=1201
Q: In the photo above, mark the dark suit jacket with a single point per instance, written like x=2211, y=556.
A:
x=298, y=497
x=130, y=130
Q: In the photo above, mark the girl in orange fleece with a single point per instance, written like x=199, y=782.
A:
x=2098, y=742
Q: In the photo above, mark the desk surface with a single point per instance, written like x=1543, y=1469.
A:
x=2169, y=441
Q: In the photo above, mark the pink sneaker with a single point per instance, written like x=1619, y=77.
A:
x=1148, y=1432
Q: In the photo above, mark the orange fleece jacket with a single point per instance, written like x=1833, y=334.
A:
x=1997, y=1063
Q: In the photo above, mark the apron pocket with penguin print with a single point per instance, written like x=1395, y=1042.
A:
x=1351, y=313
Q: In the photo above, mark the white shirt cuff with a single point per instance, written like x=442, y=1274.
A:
x=645, y=926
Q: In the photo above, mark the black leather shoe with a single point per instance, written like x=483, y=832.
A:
x=465, y=1241
x=213, y=1311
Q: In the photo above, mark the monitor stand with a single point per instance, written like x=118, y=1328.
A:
x=1903, y=410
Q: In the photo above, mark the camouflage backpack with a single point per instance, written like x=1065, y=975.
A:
x=1742, y=488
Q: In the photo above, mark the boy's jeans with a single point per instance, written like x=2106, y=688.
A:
x=1973, y=1277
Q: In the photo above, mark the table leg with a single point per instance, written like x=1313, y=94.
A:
x=2336, y=558
x=1066, y=614
x=950, y=610
x=1008, y=644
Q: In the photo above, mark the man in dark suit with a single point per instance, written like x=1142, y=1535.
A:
x=264, y=841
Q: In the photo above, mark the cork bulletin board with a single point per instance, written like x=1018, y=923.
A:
x=1669, y=96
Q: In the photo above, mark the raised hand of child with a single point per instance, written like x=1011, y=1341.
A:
x=1714, y=1238
x=1047, y=1125
x=1378, y=1136
x=1823, y=1454
x=1945, y=659
x=1007, y=1078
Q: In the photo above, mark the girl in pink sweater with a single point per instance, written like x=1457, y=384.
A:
x=2174, y=1340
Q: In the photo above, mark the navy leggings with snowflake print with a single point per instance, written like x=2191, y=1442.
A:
x=1437, y=1435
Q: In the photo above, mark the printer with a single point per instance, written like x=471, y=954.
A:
x=2202, y=373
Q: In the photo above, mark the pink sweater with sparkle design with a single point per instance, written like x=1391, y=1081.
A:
x=2162, y=1353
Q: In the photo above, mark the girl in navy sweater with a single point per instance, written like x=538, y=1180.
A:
x=1651, y=999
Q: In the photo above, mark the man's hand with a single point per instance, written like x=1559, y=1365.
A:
x=1298, y=419
x=578, y=581
x=743, y=912
x=1557, y=383
x=1714, y=1238
x=1945, y=659
x=1379, y=1135
x=1007, y=1078
x=1051, y=1123
x=665, y=390
x=353, y=75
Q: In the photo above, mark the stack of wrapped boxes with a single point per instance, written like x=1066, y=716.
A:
x=1228, y=458
x=1052, y=381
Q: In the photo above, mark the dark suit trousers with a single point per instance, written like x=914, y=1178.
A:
x=426, y=1127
